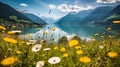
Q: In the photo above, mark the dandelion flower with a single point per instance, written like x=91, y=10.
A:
x=96, y=34
x=85, y=59
x=116, y=22
x=14, y=32
x=112, y=54
x=54, y=60
x=36, y=47
x=79, y=52
x=40, y=64
x=72, y=43
x=46, y=49
x=2, y=28
x=53, y=29
x=18, y=52
x=62, y=49
x=55, y=48
x=7, y=39
x=109, y=28
x=9, y=60
x=77, y=47
x=65, y=55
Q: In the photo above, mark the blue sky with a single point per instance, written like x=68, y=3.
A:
x=58, y=8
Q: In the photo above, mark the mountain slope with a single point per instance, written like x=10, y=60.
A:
x=6, y=11
x=34, y=18
x=98, y=13
x=111, y=16
x=74, y=17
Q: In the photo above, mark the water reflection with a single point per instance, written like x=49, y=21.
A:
x=46, y=32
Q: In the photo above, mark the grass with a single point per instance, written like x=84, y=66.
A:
x=97, y=50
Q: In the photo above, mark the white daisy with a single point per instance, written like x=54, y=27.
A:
x=46, y=49
x=36, y=47
x=32, y=41
x=54, y=60
x=40, y=64
x=16, y=31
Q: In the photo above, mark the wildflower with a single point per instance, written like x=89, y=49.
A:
x=55, y=48
x=40, y=64
x=30, y=35
x=18, y=52
x=77, y=47
x=36, y=47
x=79, y=52
x=110, y=36
x=14, y=32
x=102, y=36
x=62, y=49
x=46, y=32
x=72, y=43
x=116, y=22
x=101, y=47
x=109, y=28
x=96, y=34
x=54, y=60
x=53, y=29
x=9, y=60
x=46, y=49
x=38, y=29
x=2, y=28
x=32, y=41
x=112, y=54
x=85, y=59
x=7, y=39
x=65, y=55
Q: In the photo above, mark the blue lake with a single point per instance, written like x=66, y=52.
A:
x=83, y=31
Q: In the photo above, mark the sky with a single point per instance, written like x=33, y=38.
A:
x=57, y=8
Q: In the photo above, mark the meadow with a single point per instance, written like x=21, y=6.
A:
x=100, y=51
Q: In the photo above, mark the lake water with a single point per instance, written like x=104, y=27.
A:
x=45, y=32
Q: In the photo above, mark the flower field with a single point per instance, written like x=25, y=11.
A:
x=98, y=52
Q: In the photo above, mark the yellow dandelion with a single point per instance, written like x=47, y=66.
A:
x=112, y=54
x=9, y=60
x=18, y=52
x=109, y=28
x=55, y=48
x=2, y=28
x=77, y=47
x=79, y=52
x=102, y=36
x=65, y=55
x=85, y=59
x=46, y=33
x=63, y=49
x=53, y=29
x=10, y=32
x=37, y=28
x=96, y=34
x=116, y=22
x=73, y=43
x=7, y=39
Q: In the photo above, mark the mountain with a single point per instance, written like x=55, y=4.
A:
x=48, y=20
x=6, y=11
x=98, y=13
x=34, y=18
x=114, y=14
x=74, y=17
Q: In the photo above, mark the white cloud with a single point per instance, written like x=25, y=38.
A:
x=52, y=6
x=72, y=8
x=107, y=1
x=23, y=5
